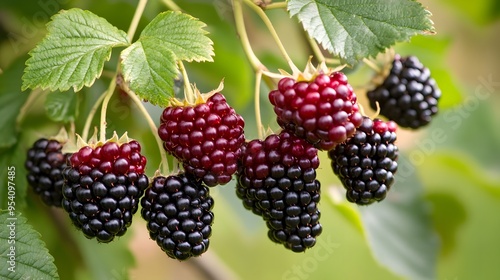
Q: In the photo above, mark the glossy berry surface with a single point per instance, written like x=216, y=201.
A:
x=409, y=95
x=206, y=138
x=178, y=214
x=102, y=188
x=323, y=111
x=367, y=162
x=277, y=181
x=45, y=163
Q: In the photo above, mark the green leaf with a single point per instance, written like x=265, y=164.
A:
x=355, y=29
x=61, y=107
x=399, y=229
x=23, y=254
x=11, y=102
x=14, y=158
x=73, y=52
x=181, y=34
x=149, y=67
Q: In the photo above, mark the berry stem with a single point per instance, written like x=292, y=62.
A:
x=273, y=32
x=135, y=20
x=154, y=130
x=171, y=5
x=32, y=97
x=188, y=91
x=240, y=29
x=104, y=108
x=372, y=65
x=90, y=117
x=130, y=36
x=278, y=5
x=258, y=118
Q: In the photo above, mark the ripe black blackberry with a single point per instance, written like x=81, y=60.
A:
x=102, y=188
x=178, y=212
x=409, y=95
x=45, y=163
x=277, y=180
x=367, y=162
x=206, y=138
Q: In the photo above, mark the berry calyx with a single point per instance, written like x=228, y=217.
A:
x=45, y=163
x=323, y=110
x=277, y=180
x=408, y=95
x=367, y=162
x=103, y=185
x=178, y=214
x=206, y=138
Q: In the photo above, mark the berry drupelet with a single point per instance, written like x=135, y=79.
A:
x=45, y=163
x=102, y=188
x=322, y=111
x=409, y=95
x=367, y=162
x=205, y=138
x=178, y=214
x=277, y=180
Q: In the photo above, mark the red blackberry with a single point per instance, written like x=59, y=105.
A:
x=367, y=162
x=323, y=111
x=179, y=216
x=206, y=138
x=102, y=188
x=45, y=163
x=409, y=95
x=278, y=181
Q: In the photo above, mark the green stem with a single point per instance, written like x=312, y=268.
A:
x=188, y=91
x=32, y=97
x=278, y=5
x=240, y=29
x=130, y=36
x=315, y=48
x=171, y=5
x=274, y=34
x=90, y=117
x=258, y=118
x=164, y=162
x=104, y=108
x=135, y=20
x=372, y=65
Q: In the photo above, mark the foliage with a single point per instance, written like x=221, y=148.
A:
x=435, y=224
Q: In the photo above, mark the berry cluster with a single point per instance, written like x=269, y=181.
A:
x=409, y=95
x=277, y=180
x=178, y=214
x=45, y=163
x=101, y=184
x=206, y=138
x=366, y=163
x=103, y=187
x=323, y=111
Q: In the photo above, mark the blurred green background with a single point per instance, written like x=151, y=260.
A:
x=440, y=220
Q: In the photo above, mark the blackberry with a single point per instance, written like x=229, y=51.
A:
x=102, y=188
x=206, y=138
x=178, y=214
x=45, y=163
x=367, y=162
x=278, y=181
x=323, y=111
x=409, y=95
